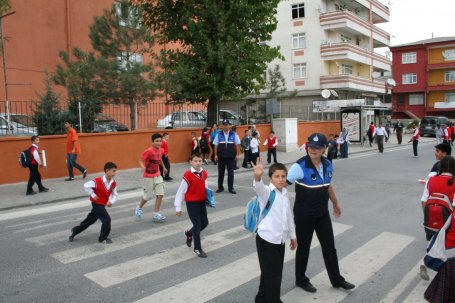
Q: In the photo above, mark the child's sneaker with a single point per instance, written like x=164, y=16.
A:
x=138, y=213
x=158, y=218
x=106, y=241
x=200, y=253
x=189, y=239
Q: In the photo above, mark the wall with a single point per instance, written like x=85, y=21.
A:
x=124, y=148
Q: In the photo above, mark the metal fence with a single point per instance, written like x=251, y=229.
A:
x=27, y=119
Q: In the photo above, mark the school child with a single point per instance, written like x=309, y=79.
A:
x=271, y=142
x=245, y=143
x=192, y=191
x=204, y=144
x=103, y=192
x=332, y=148
x=153, y=181
x=254, y=148
x=165, y=158
x=273, y=230
x=194, y=144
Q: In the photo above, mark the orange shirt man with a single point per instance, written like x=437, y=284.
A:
x=72, y=150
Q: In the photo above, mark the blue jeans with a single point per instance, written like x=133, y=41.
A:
x=71, y=162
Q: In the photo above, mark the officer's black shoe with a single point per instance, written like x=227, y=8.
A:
x=307, y=286
x=71, y=238
x=219, y=190
x=232, y=191
x=345, y=285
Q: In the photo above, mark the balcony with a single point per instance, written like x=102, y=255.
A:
x=353, y=24
x=440, y=64
x=347, y=51
x=381, y=13
x=440, y=86
x=350, y=82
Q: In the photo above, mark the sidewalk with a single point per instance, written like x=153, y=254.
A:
x=13, y=195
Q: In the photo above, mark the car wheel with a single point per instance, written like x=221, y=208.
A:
x=168, y=127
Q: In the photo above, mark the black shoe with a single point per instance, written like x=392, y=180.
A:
x=43, y=190
x=232, y=191
x=106, y=241
x=168, y=179
x=235, y=168
x=71, y=238
x=245, y=166
x=189, y=239
x=30, y=193
x=344, y=285
x=69, y=179
x=307, y=286
x=200, y=253
x=84, y=174
x=219, y=190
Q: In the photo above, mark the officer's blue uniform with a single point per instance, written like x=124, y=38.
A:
x=226, y=153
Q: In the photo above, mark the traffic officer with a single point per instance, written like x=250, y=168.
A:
x=227, y=151
x=312, y=175
x=399, y=131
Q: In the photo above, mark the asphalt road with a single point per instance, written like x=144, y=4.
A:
x=379, y=238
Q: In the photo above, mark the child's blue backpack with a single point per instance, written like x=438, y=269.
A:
x=210, y=198
x=253, y=215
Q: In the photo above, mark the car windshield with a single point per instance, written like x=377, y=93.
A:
x=428, y=121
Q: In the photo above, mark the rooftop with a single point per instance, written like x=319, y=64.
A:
x=427, y=41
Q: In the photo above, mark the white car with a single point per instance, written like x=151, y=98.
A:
x=183, y=119
x=19, y=125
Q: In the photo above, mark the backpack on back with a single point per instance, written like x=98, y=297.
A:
x=435, y=212
x=203, y=142
x=253, y=215
x=25, y=158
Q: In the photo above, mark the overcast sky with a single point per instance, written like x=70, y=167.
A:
x=414, y=20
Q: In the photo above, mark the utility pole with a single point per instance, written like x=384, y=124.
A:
x=2, y=46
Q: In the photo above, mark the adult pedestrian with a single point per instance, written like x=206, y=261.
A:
x=73, y=149
x=439, y=132
x=370, y=133
x=380, y=133
x=415, y=138
x=246, y=148
x=344, y=142
x=398, y=129
x=227, y=150
x=312, y=175
x=35, y=176
x=254, y=129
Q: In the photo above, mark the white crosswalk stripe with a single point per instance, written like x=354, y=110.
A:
x=416, y=295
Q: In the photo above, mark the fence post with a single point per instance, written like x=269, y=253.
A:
x=80, y=117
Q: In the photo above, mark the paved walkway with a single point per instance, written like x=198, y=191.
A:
x=13, y=195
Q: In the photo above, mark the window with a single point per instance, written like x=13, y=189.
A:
x=450, y=76
x=346, y=69
x=415, y=99
x=346, y=39
x=449, y=54
x=400, y=99
x=407, y=58
x=410, y=78
x=298, y=41
x=129, y=15
x=299, y=70
x=298, y=11
x=449, y=97
x=132, y=58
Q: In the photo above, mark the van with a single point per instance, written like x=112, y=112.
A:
x=428, y=125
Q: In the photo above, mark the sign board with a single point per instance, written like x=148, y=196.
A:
x=332, y=106
x=351, y=121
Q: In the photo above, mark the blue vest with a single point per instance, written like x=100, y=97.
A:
x=226, y=147
x=312, y=191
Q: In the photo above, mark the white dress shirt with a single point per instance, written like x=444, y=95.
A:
x=254, y=145
x=90, y=185
x=36, y=154
x=278, y=225
x=183, y=188
x=380, y=131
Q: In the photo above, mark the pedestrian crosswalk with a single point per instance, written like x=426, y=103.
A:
x=217, y=276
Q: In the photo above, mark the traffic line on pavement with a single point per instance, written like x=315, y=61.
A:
x=361, y=264
x=416, y=295
x=131, y=269
x=130, y=240
x=222, y=279
x=402, y=285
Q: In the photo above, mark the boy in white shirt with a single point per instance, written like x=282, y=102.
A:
x=254, y=148
x=273, y=230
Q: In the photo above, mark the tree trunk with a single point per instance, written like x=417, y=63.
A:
x=212, y=111
x=132, y=115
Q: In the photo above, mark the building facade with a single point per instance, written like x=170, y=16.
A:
x=425, y=78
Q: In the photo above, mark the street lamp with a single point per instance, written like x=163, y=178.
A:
x=2, y=46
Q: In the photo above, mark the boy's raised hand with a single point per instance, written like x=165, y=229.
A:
x=258, y=169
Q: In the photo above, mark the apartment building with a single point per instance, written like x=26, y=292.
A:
x=425, y=78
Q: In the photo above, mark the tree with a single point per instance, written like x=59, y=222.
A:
x=276, y=83
x=5, y=7
x=221, y=51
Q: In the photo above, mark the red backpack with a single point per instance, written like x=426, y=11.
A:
x=436, y=211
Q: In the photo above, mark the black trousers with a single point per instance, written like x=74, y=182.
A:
x=35, y=177
x=212, y=157
x=399, y=137
x=197, y=211
x=380, y=140
x=305, y=227
x=167, y=165
x=224, y=163
x=415, y=143
x=254, y=157
x=246, y=157
x=271, y=258
x=270, y=152
x=98, y=212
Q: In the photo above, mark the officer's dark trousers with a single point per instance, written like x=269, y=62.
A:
x=399, y=137
x=197, y=211
x=224, y=163
x=415, y=143
x=304, y=228
x=271, y=258
x=35, y=177
x=98, y=212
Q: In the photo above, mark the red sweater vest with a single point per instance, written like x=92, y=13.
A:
x=271, y=142
x=102, y=192
x=196, y=186
x=32, y=150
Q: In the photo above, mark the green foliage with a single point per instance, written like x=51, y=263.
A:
x=276, y=83
x=221, y=52
x=5, y=7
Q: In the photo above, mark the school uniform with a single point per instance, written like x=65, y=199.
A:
x=35, y=176
x=106, y=192
x=273, y=231
x=271, y=149
x=165, y=159
x=254, y=147
x=192, y=191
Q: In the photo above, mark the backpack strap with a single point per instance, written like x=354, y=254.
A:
x=269, y=204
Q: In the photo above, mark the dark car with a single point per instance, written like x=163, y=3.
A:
x=104, y=123
x=428, y=124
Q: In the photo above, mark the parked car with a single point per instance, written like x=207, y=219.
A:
x=197, y=119
x=19, y=125
x=104, y=123
x=428, y=124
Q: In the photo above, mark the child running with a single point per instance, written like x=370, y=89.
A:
x=103, y=192
x=153, y=181
x=273, y=230
x=192, y=191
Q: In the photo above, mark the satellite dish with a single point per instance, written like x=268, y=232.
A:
x=334, y=93
x=391, y=82
x=325, y=93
